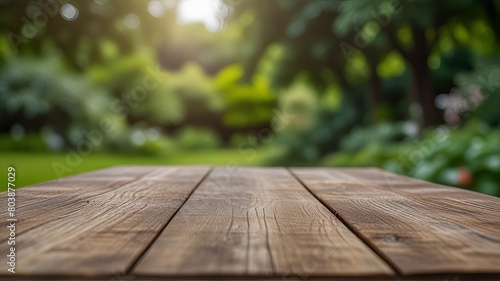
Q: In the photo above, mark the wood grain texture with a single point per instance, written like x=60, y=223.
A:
x=476, y=210
x=257, y=222
x=419, y=227
x=58, y=198
x=97, y=224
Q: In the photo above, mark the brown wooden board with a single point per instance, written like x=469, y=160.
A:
x=41, y=203
x=97, y=224
x=420, y=228
x=477, y=210
x=257, y=222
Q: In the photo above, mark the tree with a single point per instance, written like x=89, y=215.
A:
x=413, y=28
x=31, y=25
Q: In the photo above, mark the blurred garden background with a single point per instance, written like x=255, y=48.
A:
x=412, y=87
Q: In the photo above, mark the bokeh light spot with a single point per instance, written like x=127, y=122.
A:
x=69, y=12
x=131, y=21
x=156, y=8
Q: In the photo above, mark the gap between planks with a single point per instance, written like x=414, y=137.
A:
x=262, y=185
x=61, y=254
x=133, y=264
x=350, y=226
x=410, y=223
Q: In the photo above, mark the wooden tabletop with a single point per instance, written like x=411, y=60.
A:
x=141, y=222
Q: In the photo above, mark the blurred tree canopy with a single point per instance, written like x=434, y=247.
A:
x=352, y=39
x=305, y=81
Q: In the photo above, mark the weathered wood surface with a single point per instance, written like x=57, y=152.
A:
x=44, y=202
x=417, y=226
x=257, y=222
x=105, y=228
x=193, y=222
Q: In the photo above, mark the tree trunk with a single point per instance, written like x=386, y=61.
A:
x=422, y=79
x=424, y=94
x=374, y=91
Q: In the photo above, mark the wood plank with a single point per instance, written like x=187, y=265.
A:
x=59, y=198
x=459, y=236
x=476, y=210
x=257, y=222
x=106, y=232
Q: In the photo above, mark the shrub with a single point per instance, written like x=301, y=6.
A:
x=381, y=134
x=142, y=141
x=467, y=157
x=29, y=143
x=246, y=105
x=191, y=138
x=41, y=94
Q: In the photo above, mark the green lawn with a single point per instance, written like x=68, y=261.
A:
x=34, y=168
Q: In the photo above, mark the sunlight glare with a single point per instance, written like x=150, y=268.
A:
x=204, y=11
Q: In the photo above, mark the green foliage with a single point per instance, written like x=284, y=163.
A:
x=148, y=94
x=190, y=138
x=392, y=65
x=161, y=146
x=310, y=128
x=468, y=157
x=272, y=60
x=140, y=91
x=141, y=141
x=27, y=143
x=198, y=98
x=357, y=69
x=482, y=90
x=381, y=134
x=41, y=93
x=353, y=13
x=29, y=90
x=246, y=105
x=302, y=102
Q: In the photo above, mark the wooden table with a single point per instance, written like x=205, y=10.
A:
x=134, y=223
